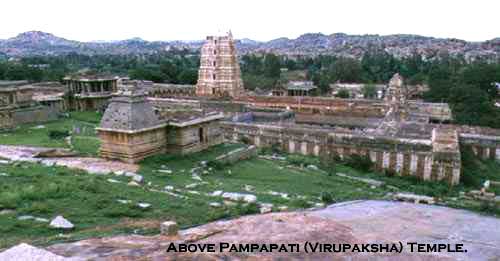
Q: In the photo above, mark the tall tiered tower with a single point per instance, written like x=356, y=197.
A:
x=219, y=73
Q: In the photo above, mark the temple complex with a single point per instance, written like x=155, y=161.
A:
x=219, y=74
x=398, y=134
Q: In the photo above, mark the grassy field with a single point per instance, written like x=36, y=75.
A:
x=92, y=202
x=81, y=126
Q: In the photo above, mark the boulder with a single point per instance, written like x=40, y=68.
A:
x=4, y=162
x=249, y=198
x=22, y=218
x=144, y=205
x=138, y=178
x=215, y=204
x=62, y=223
x=414, y=198
x=169, y=228
x=55, y=153
x=216, y=193
x=133, y=184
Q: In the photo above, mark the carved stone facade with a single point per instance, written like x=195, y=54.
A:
x=219, y=74
x=130, y=130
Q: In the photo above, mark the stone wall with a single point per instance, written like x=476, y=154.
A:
x=237, y=155
x=35, y=114
x=132, y=147
x=411, y=157
x=193, y=138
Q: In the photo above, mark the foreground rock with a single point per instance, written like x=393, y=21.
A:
x=61, y=223
x=26, y=252
x=349, y=222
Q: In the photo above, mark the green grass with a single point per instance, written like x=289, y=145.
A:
x=90, y=201
x=80, y=124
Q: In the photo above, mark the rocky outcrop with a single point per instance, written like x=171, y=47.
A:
x=350, y=222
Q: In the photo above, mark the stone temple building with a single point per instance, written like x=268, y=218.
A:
x=219, y=73
x=131, y=129
x=17, y=105
x=90, y=92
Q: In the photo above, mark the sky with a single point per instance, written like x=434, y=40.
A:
x=89, y=20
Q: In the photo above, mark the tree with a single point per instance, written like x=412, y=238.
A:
x=272, y=66
x=472, y=106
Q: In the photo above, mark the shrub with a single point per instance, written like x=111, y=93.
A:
x=362, y=163
x=327, y=197
x=245, y=140
x=245, y=209
x=301, y=161
x=58, y=135
x=217, y=165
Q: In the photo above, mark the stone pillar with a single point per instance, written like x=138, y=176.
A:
x=379, y=165
x=316, y=150
x=420, y=166
x=393, y=161
x=303, y=148
x=413, y=164
x=291, y=146
x=385, y=160
x=399, y=163
x=428, y=167
x=493, y=153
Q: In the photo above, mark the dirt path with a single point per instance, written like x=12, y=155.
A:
x=91, y=165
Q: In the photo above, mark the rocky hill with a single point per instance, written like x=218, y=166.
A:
x=311, y=44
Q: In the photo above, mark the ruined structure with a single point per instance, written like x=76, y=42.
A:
x=219, y=74
x=18, y=106
x=131, y=129
x=397, y=135
x=90, y=92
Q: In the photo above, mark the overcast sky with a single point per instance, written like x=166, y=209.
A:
x=85, y=20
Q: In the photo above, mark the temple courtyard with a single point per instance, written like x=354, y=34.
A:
x=105, y=198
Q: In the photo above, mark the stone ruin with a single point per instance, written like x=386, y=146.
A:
x=132, y=130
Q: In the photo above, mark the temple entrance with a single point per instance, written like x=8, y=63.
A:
x=201, y=135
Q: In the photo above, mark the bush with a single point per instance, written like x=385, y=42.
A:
x=217, y=165
x=245, y=209
x=362, y=163
x=245, y=140
x=58, y=135
x=327, y=197
x=301, y=161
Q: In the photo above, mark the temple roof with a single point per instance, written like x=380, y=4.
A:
x=129, y=111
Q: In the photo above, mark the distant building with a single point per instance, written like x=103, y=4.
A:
x=219, y=74
x=355, y=90
x=301, y=88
